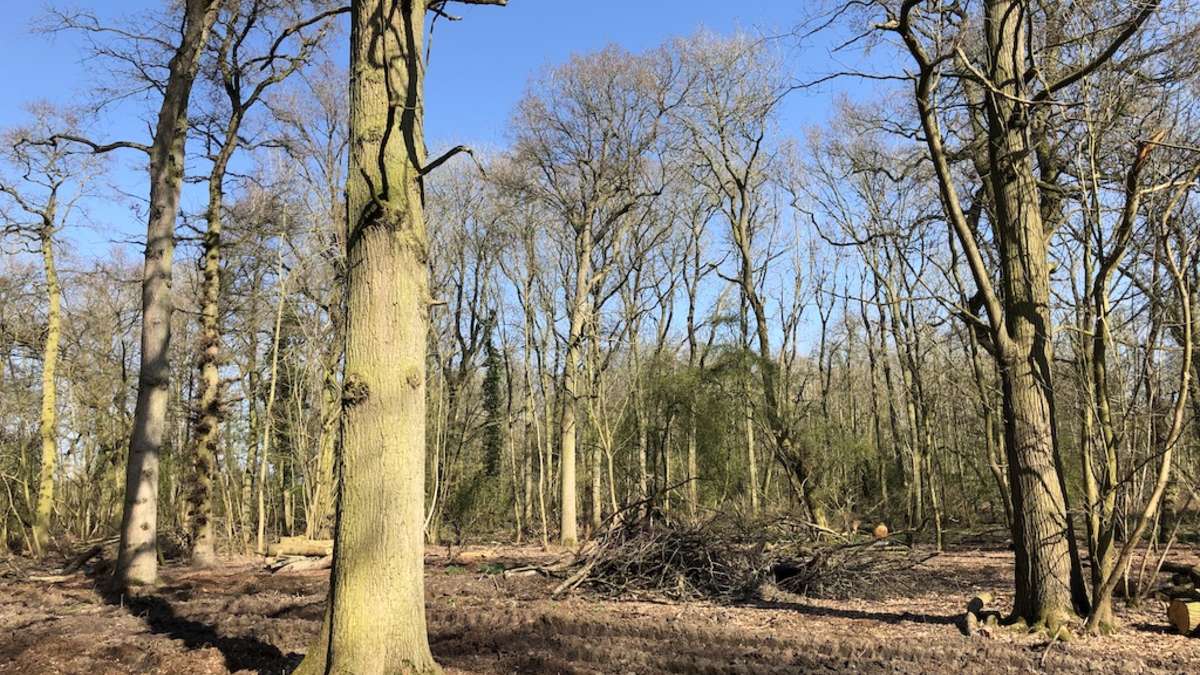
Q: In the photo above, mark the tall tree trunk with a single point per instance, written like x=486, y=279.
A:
x=268, y=419
x=375, y=621
x=137, y=557
x=206, y=432
x=568, y=532
x=252, y=452
x=596, y=511
x=748, y=420
x=48, y=424
x=1049, y=577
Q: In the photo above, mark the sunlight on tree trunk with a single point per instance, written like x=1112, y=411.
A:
x=137, y=559
x=48, y=425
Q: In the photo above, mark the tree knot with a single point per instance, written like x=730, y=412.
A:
x=355, y=391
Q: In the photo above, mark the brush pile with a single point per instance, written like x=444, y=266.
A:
x=725, y=559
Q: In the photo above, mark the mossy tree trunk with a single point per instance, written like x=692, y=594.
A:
x=241, y=78
x=48, y=424
x=375, y=620
x=206, y=427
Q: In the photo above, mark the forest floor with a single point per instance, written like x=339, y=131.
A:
x=240, y=618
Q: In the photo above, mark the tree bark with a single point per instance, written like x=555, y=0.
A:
x=137, y=557
x=375, y=621
x=206, y=431
x=1049, y=578
x=48, y=425
x=568, y=532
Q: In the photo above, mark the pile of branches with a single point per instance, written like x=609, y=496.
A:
x=651, y=556
x=727, y=559
x=849, y=569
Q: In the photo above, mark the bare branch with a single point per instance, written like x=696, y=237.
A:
x=98, y=148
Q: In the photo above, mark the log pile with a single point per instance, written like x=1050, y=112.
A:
x=1183, y=612
x=678, y=561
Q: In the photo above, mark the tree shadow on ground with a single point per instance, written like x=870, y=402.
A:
x=857, y=614
x=241, y=652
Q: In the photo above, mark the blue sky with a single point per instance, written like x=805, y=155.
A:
x=479, y=68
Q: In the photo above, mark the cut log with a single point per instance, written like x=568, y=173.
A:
x=301, y=546
x=523, y=572
x=305, y=565
x=1183, y=573
x=1184, y=615
x=51, y=578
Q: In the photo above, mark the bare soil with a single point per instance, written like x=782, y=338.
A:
x=239, y=618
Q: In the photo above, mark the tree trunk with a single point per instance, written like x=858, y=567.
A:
x=1049, y=578
x=252, y=452
x=206, y=432
x=568, y=532
x=48, y=425
x=268, y=428
x=137, y=557
x=375, y=621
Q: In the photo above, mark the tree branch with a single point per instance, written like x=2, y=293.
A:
x=296, y=28
x=429, y=168
x=97, y=148
x=1103, y=57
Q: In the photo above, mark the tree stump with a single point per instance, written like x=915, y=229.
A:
x=977, y=618
x=1184, y=615
x=979, y=603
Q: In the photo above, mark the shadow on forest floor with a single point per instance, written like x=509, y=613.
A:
x=238, y=617
x=857, y=614
x=154, y=607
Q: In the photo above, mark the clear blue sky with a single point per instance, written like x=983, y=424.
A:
x=478, y=70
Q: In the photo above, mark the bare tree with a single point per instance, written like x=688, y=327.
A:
x=587, y=138
x=43, y=198
x=137, y=560
x=1049, y=580
x=244, y=75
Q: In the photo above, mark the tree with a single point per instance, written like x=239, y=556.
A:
x=493, y=405
x=244, y=77
x=1049, y=579
x=375, y=620
x=312, y=117
x=735, y=89
x=137, y=557
x=51, y=184
x=586, y=138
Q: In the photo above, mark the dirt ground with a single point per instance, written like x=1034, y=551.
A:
x=239, y=618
